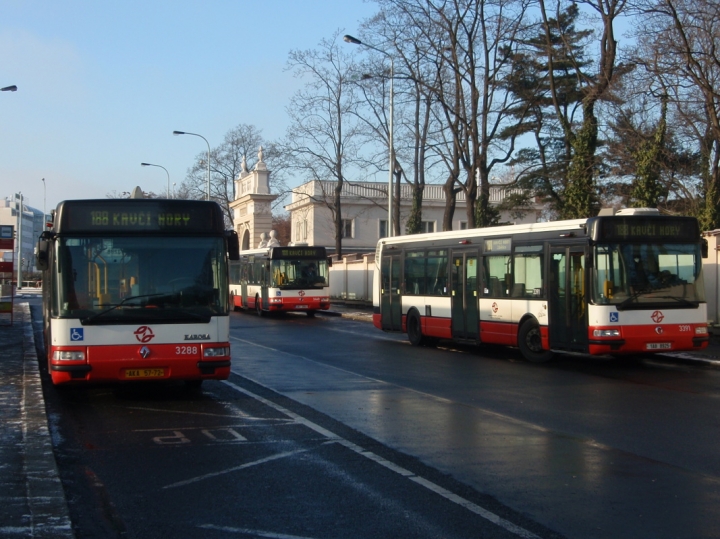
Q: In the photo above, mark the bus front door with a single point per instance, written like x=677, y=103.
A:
x=567, y=300
x=390, y=299
x=464, y=293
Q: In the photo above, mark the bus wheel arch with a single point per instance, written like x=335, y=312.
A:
x=530, y=341
x=414, y=328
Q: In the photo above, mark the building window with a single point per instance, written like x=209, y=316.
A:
x=347, y=228
x=383, y=228
x=428, y=226
x=463, y=225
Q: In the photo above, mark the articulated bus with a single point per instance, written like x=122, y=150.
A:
x=629, y=283
x=136, y=289
x=276, y=279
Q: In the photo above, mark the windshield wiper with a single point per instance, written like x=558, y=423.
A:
x=90, y=319
x=626, y=303
x=685, y=302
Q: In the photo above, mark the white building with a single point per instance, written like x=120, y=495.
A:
x=30, y=228
x=364, y=212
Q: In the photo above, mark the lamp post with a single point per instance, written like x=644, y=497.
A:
x=12, y=88
x=391, y=149
x=208, y=145
x=166, y=172
x=44, y=199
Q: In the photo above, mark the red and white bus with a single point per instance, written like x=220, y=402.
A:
x=276, y=279
x=136, y=289
x=627, y=283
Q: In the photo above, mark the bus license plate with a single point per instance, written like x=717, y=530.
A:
x=658, y=346
x=144, y=373
x=301, y=306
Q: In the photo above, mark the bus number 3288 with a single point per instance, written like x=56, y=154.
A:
x=186, y=350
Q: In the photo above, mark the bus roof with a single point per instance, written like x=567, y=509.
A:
x=139, y=216
x=625, y=226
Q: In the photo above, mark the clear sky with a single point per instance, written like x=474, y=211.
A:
x=102, y=84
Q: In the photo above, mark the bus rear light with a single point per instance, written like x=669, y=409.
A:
x=68, y=355
x=701, y=330
x=606, y=333
x=216, y=352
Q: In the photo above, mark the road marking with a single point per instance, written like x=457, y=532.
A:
x=437, y=489
x=256, y=533
x=236, y=468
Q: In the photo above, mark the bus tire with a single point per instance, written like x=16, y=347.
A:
x=414, y=329
x=530, y=343
x=258, y=306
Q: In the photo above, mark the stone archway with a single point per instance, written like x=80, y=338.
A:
x=245, y=243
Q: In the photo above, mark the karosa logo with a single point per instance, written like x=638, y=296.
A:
x=144, y=334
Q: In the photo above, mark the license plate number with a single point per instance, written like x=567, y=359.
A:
x=144, y=373
x=659, y=346
x=301, y=306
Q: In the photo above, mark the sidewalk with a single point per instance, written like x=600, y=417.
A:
x=32, y=501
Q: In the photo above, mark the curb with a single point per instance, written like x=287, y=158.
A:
x=49, y=514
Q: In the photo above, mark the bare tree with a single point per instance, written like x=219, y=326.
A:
x=685, y=38
x=323, y=138
x=243, y=141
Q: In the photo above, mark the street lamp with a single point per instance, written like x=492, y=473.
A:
x=12, y=88
x=44, y=199
x=208, y=145
x=166, y=172
x=391, y=149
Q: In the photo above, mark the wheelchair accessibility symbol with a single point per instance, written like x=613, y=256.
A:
x=614, y=317
x=77, y=334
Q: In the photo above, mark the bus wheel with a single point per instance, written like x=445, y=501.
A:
x=414, y=329
x=530, y=343
x=258, y=306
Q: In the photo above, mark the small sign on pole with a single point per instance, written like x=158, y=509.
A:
x=7, y=259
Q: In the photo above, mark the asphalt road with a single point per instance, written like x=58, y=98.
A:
x=330, y=428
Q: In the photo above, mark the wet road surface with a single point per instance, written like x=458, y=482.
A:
x=590, y=448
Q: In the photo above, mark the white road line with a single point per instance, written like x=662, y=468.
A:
x=235, y=468
x=239, y=415
x=437, y=489
x=256, y=533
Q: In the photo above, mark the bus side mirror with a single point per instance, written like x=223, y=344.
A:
x=233, y=244
x=41, y=257
x=704, y=248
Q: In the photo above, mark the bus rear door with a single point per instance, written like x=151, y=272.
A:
x=390, y=298
x=567, y=301
x=464, y=293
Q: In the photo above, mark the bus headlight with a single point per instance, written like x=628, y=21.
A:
x=68, y=355
x=216, y=352
x=701, y=330
x=606, y=333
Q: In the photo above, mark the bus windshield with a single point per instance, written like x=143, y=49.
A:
x=299, y=273
x=127, y=279
x=632, y=275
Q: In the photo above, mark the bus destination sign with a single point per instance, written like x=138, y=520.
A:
x=648, y=228
x=143, y=216
x=297, y=252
